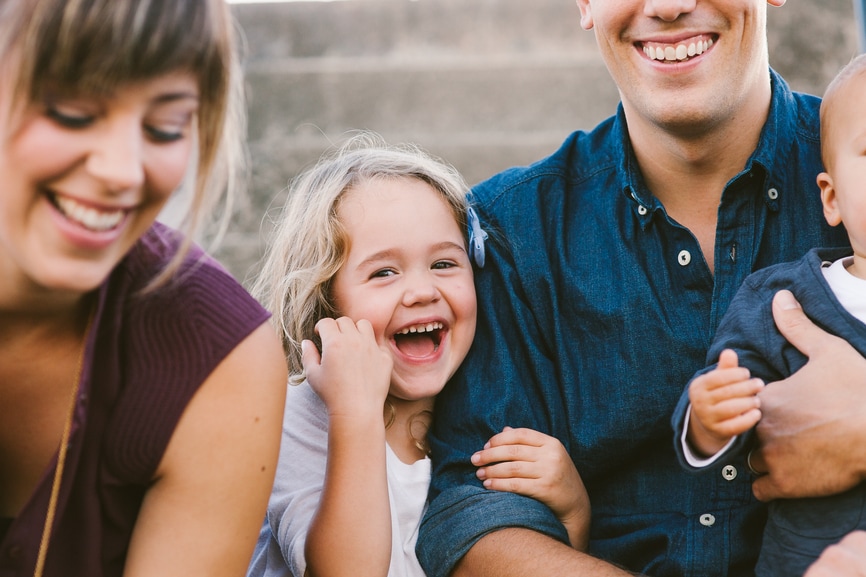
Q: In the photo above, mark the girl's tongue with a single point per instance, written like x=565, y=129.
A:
x=418, y=344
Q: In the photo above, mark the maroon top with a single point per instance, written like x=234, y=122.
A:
x=145, y=358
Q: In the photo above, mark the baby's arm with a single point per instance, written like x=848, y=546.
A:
x=724, y=403
x=536, y=465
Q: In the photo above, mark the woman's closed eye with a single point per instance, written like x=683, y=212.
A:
x=165, y=134
x=68, y=116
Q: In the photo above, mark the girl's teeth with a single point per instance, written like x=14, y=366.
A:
x=421, y=328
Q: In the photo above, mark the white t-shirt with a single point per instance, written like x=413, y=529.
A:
x=298, y=488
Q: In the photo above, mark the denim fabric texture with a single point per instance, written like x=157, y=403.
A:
x=595, y=308
x=797, y=530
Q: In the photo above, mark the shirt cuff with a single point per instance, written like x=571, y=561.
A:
x=460, y=516
x=694, y=460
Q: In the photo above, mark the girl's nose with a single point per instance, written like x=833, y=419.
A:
x=420, y=289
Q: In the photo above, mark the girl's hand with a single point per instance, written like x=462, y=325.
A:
x=352, y=374
x=530, y=463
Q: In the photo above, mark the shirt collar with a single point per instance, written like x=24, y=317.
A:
x=774, y=145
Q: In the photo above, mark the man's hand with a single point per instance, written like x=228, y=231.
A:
x=813, y=431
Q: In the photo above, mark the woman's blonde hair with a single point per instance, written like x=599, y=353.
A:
x=309, y=244
x=90, y=47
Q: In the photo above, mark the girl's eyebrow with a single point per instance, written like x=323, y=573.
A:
x=377, y=256
x=391, y=253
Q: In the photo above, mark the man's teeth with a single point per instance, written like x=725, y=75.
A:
x=679, y=52
x=88, y=217
x=421, y=328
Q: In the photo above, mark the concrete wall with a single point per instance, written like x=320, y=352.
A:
x=486, y=84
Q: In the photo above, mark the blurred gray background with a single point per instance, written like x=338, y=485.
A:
x=485, y=84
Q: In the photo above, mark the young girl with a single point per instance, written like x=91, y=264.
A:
x=140, y=387
x=370, y=260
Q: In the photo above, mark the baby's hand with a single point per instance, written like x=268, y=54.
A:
x=724, y=403
x=352, y=374
x=536, y=465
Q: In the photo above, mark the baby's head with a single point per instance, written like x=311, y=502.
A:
x=351, y=207
x=843, y=150
x=843, y=106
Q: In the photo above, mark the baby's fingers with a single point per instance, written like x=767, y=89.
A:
x=735, y=425
x=717, y=395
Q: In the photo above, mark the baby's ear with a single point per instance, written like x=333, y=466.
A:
x=828, y=199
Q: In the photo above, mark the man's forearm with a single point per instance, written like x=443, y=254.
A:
x=523, y=552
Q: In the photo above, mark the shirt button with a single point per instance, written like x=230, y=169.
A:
x=684, y=257
x=708, y=520
x=729, y=472
x=773, y=194
x=641, y=210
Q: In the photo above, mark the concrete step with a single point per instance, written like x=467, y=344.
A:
x=382, y=27
x=429, y=97
x=485, y=84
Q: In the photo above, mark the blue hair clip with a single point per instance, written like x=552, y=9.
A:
x=477, y=236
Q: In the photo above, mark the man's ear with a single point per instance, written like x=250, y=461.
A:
x=829, y=200
x=585, y=14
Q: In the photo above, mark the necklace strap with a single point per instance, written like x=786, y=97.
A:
x=61, y=459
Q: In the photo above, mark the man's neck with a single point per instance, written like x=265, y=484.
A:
x=687, y=170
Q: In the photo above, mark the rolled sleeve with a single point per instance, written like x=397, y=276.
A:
x=460, y=516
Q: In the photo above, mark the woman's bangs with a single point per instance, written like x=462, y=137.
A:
x=96, y=45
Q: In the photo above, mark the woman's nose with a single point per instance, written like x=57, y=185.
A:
x=117, y=155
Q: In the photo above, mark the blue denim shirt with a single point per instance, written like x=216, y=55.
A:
x=595, y=309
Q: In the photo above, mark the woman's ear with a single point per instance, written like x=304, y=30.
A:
x=829, y=200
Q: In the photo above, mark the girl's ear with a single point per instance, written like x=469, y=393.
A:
x=585, y=14
x=829, y=200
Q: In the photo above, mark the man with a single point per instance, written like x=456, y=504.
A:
x=609, y=267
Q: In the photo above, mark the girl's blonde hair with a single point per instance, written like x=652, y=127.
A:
x=309, y=244
x=90, y=47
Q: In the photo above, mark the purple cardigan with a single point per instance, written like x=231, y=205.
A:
x=146, y=357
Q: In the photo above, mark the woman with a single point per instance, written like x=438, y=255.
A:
x=121, y=343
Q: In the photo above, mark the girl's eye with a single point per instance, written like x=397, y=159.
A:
x=385, y=272
x=69, y=118
x=443, y=264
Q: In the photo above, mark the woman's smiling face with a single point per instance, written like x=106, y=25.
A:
x=85, y=176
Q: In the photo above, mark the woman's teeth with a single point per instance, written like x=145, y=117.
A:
x=88, y=217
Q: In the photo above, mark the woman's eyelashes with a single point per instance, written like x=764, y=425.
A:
x=68, y=117
x=158, y=131
x=163, y=134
